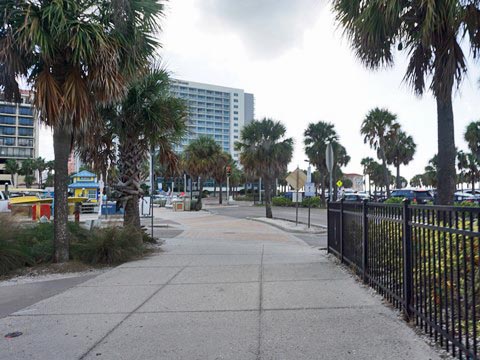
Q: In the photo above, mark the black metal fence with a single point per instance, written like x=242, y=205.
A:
x=425, y=260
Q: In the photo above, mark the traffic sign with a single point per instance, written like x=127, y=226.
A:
x=310, y=189
x=339, y=183
x=329, y=157
x=296, y=179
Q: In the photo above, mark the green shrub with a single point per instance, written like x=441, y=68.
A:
x=109, y=246
x=281, y=201
x=466, y=204
x=13, y=254
x=394, y=200
x=313, y=201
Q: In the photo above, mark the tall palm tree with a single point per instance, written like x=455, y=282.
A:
x=417, y=180
x=265, y=153
x=431, y=33
x=316, y=138
x=27, y=169
x=400, y=150
x=219, y=173
x=367, y=163
x=147, y=120
x=12, y=167
x=75, y=55
x=376, y=128
x=430, y=176
x=200, y=160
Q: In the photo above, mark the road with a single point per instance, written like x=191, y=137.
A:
x=242, y=210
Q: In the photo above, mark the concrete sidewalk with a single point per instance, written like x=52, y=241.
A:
x=224, y=289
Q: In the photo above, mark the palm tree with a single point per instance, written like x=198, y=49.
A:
x=399, y=150
x=368, y=170
x=147, y=120
x=430, y=176
x=376, y=129
x=417, y=180
x=200, y=160
x=40, y=165
x=468, y=166
x=12, y=167
x=472, y=137
x=265, y=153
x=27, y=169
x=431, y=33
x=75, y=55
x=316, y=138
x=219, y=173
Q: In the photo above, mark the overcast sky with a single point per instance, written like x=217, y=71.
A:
x=292, y=57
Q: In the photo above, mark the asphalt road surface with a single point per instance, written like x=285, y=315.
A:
x=241, y=210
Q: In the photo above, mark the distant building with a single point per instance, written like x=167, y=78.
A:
x=84, y=184
x=217, y=111
x=19, y=133
x=357, y=181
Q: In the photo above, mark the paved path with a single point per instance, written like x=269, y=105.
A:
x=224, y=289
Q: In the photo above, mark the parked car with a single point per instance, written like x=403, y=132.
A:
x=465, y=197
x=355, y=197
x=414, y=195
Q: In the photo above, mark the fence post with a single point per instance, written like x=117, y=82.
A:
x=341, y=230
x=365, y=240
x=407, y=259
x=329, y=228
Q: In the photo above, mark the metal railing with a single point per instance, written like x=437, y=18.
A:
x=425, y=260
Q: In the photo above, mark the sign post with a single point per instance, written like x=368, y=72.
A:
x=297, y=180
x=329, y=162
x=229, y=172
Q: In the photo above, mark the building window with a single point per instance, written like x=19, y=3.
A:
x=235, y=137
x=25, y=121
x=235, y=118
x=16, y=152
x=10, y=120
x=7, y=130
x=235, y=112
x=9, y=141
x=235, y=106
x=235, y=124
x=235, y=94
x=6, y=109
x=23, y=110
x=235, y=100
x=25, y=142
x=25, y=132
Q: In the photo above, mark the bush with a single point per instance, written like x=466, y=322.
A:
x=394, y=200
x=466, y=204
x=281, y=201
x=109, y=246
x=12, y=253
x=313, y=201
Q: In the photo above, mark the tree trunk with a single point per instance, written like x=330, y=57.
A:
x=386, y=176
x=399, y=185
x=323, y=190
x=130, y=162
x=268, y=198
x=198, y=205
x=446, y=151
x=220, y=197
x=62, y=141
x=12, y=176
x=215, y=188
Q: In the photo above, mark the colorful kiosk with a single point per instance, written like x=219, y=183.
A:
x=85, y=184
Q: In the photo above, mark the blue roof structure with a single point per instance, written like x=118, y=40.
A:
x=84, y=184
x=83, y=173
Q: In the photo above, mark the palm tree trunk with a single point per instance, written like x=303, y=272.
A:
x=12, y=176
x=268, y=198
x=62, y=141
x=399, y=186
x=214, y=188
x=446, y=150
x=220, y=197
x=130, y=179
x=385, y=173
x=198, y=205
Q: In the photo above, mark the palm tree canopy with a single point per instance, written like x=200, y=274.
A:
x=430, y=32
x=472, y=137
x=316, y=138
x=74, y=54
x=200, y=156
x=400, y=148
x=265, y=152
x=376, y=126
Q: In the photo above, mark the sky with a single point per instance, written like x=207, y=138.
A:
x=292, y=56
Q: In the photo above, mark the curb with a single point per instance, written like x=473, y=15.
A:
x=287, y=229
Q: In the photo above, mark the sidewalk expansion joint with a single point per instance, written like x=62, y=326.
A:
x=83, y=356
x=260, y=306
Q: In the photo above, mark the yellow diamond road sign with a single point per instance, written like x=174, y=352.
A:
x=339, y=183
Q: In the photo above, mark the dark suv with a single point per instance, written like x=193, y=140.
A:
x=415, y=196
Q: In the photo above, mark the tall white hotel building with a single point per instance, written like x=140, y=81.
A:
x=217, y=111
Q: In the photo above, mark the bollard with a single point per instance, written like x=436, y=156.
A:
x=76, y=212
